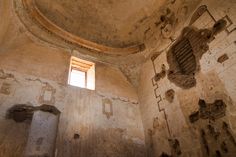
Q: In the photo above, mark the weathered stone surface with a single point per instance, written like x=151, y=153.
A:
x=184, y=55
x=135, y=110
x=42, y=135
x=170, y=95
x=223, y=58
x=213, y=81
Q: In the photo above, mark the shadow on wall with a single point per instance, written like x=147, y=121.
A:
x=22, y=112
x=15, y=133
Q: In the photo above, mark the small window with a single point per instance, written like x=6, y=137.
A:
x=82, y=73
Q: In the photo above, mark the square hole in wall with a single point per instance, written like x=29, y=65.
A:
x=82, y=73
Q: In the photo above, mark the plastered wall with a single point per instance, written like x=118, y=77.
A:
x=113, y=120
x=165, y=121
x=104, y=122
x=101, y=120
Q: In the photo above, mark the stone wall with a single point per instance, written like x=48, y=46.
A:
x=166, y=108
x=166, y=117
x=104, y=122
x=100, y=119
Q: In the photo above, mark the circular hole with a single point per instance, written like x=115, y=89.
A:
x=76, y=136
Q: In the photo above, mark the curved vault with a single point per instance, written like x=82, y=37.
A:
x=38, y=24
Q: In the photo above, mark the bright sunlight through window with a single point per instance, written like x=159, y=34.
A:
x=82, y=73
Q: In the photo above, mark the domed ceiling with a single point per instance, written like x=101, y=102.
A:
x=107, y=22
x=113, y=27
x=123, y=33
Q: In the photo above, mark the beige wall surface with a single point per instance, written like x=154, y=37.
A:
x=164, y=120
x=107, y=120
x=115, y=119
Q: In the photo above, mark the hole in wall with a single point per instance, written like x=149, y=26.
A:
x=184, y=55
x=222, y=58
x=164, y=155
x=218, y=154
x=170, y=95
x=161, y=74
x=219, y=26
x=22, y=112
x=76, y=136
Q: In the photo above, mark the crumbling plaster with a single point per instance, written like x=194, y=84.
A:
x=113, y=120
x=164, y=120
x=34, y=72
x=153, y=23
x=81, y=113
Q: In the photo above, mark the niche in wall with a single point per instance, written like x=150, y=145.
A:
x=82, y=73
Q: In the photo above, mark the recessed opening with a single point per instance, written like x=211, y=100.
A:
x=82, y=73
